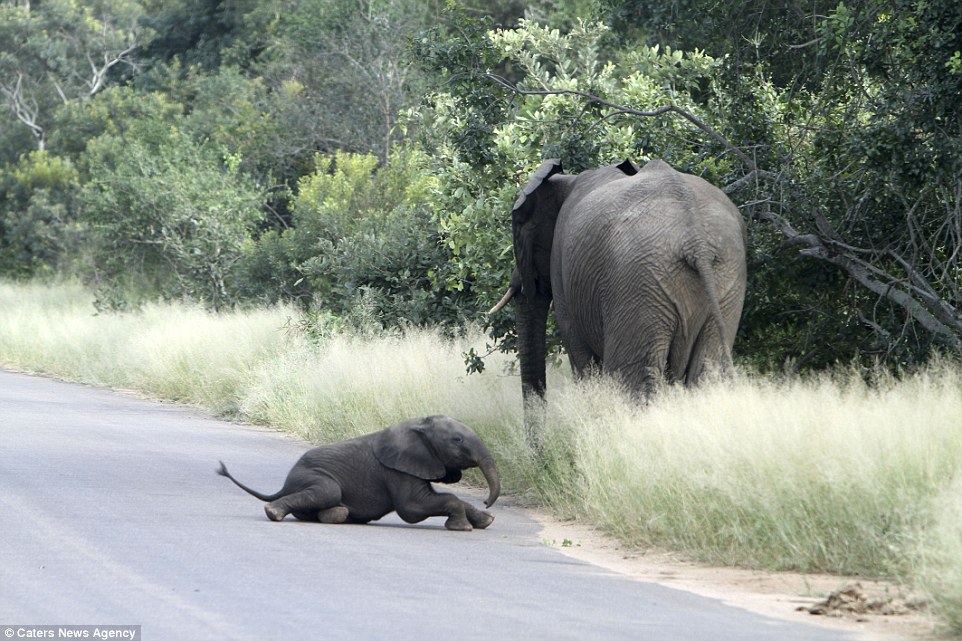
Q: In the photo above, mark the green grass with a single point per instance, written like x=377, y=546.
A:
x=818, y=474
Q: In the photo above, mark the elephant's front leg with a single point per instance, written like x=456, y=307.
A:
x=478, y=518
x=463, y=516
x=419, y=501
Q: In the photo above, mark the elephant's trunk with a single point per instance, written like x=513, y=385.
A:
x=532, y=315
x=532, y=323
x=491, y=476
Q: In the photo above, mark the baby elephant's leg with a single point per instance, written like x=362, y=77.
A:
x=463, y=516
x=336, y=514
x=318, y=502
x=418, y=505
x=478, y=518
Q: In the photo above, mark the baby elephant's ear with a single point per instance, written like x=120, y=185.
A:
x=403, y=447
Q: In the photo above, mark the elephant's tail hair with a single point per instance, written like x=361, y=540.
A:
x=264, y=497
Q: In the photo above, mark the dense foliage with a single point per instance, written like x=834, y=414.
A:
x=362, y=157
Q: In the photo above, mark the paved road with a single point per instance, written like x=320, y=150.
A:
x=110, y=513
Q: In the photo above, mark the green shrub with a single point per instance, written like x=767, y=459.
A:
x=363, y=244
x=38, y=222
x=168, y=214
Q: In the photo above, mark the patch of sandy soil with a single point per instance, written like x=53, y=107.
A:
x=871, y=610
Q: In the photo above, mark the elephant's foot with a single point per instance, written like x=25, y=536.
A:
x=481, y=520
x=337, y=514
x=274, y=513
x=458, y=523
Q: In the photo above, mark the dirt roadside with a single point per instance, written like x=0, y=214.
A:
x=783, y=595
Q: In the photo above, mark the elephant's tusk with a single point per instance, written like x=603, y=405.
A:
x=508, y=295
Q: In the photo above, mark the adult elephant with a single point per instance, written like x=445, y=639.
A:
x=646, y=269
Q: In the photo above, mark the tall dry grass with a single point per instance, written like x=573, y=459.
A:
x=822, y=474
x=826, y=473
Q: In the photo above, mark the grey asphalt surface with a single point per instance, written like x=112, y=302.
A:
x=111, y=513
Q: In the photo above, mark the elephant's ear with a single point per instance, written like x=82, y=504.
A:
x=404, y=447
x=545, y=170
x=527, y=226
x=627, y=167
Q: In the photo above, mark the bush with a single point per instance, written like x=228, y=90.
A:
x=38, y=224
x=363, y=244
x=168, y=214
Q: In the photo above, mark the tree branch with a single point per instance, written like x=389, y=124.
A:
x=99, y=72
x=25, y=112
x=923, y=305
x=621, y=109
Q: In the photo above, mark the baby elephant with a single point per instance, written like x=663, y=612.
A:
x=363, y=479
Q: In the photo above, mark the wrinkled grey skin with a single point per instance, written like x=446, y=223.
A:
x=646, y=269
x=363, y=479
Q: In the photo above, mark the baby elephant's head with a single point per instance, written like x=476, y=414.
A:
x=437, y=448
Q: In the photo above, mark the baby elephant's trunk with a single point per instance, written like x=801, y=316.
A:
x=491, y=476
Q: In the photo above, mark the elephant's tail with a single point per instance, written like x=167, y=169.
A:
x=264, y=497
x=703, y=265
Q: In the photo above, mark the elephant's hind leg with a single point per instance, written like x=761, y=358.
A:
x=706, y=347
x=310, y=503
x=637, y=352
x=641, y=377
x=336, y=514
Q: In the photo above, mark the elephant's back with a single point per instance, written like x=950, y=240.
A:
x=610, y=256
x=635, y=219
x=344, y=460
x=672, y=214
x=632, y=245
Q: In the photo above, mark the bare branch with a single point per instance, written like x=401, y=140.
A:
x=98, y=72
x=924, y=306
x=56, y=85
x=24, y=110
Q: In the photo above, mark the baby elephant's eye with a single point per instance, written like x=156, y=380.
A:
x=457, y=439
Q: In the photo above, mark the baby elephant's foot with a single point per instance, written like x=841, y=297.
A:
x=274, y=513
x=481, y=520
x=337, y=514
x=458, y=523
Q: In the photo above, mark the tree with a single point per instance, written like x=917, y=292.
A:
x=167, y=214
x=349, y=60
x=61, y=50
x=363, y=244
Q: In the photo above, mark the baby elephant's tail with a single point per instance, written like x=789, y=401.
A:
x=264, y=497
